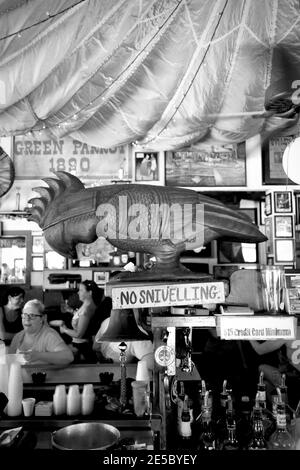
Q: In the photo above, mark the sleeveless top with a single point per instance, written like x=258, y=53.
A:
x=12, y=326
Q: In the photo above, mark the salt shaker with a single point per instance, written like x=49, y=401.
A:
x=87, y=399
x=60, y=400
x=73, y=401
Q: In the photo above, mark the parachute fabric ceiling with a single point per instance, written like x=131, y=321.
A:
x=163, y=73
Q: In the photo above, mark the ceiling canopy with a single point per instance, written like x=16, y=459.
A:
x=165, y=74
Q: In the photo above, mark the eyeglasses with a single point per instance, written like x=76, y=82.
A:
x=31, y=316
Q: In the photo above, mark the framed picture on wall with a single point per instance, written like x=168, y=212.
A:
x=283, y=201
x=146, y=166
x=37, y=244
x=283, y=226
x=37, y=263
x=297, y=202
x=284, y=251
x=268, y=204
x=272, y=153
x=269, y=235
x=218, y=165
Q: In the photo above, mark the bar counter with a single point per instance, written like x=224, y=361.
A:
x=142, y=432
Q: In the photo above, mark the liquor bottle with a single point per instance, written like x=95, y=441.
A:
x=244, y=429
x=257, y=441
x=207, y=438
x=269, y=423
x=230, y=442
x=185, y=430
x=221, y=429
x=179, y=401
x=281, y=439
x=283, y=389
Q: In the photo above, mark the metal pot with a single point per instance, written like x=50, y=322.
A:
x=85, y=436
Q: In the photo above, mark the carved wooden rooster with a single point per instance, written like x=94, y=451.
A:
x=162, y=221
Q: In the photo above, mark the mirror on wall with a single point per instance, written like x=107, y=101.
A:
x=15, y=257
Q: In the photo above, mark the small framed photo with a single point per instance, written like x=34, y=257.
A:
x=297, y=202
x=283, y=226
x=146, y=166
x=284, y=251
x=269, y=235
x=268, y=204
x=37, y=244
x=272, y=153
x=37, y=263
x=100, y=277
x=283, y=201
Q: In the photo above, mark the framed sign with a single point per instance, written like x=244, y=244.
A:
x=36, y=159
x=272, y=153
x=283, y=201
x=283, y=226
x=209, y=166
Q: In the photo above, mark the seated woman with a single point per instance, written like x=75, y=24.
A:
x=136, y=350
x=82, y=322
x=39, y=342
x=10, y=314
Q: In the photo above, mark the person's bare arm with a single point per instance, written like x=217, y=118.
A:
x=83, y=323
x=267, y=346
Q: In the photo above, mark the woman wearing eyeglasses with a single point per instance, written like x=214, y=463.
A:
x=38, y=341
x=83, y=320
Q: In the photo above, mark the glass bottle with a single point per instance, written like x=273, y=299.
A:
x=283, y=389
x=257, y=441
x=267, y=417
x=207, y=438
x=185, y=430
x=221, y=421
x=281, y=439
x=230, y=442
x=244, y=424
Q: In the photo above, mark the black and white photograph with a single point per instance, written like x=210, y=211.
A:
x=146, y=166
x=283, y=201
x=284, y=226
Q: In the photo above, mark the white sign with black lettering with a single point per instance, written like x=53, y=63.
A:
x=257, y=327
x=159, y=295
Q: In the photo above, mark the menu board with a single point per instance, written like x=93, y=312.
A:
x=292, y=284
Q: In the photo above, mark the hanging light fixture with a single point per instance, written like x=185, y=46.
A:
x=291, y=160
x=123, y=327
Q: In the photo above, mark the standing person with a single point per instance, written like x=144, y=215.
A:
x=39, y=343
x=10, y=314
x=82, y=322
x=136, y=350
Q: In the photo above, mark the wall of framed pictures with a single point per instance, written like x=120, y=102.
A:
x=280, y=227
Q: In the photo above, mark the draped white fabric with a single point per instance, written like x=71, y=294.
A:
x=164, y=73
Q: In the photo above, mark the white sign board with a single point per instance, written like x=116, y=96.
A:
x=257, y=327
x=159, y=295
x=36, y=159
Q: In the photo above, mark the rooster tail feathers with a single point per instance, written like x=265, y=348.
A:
x=66, y=183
